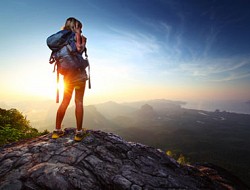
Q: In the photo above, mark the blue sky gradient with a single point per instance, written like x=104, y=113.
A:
x=138, y=49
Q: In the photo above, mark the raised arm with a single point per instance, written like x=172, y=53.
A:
x=80, y=40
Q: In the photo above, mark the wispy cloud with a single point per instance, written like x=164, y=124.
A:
x=218, y=70
x=231, y=77
x=132, y=44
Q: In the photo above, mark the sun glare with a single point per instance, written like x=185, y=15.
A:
x=41, y=86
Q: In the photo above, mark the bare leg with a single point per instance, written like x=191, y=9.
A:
x=79, y=110
x=68, y=90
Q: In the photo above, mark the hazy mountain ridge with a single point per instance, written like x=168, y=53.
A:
x=112, y=109
x=42, y=113
x=242, y=107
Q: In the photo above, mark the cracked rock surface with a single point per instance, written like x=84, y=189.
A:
x=100, y=161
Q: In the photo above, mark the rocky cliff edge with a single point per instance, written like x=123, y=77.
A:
x=102, y=161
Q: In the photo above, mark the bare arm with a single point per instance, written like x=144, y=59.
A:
x=80, y=42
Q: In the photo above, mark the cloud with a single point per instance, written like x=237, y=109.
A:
x=218, y=70
x=232, y=76
x=134, y=42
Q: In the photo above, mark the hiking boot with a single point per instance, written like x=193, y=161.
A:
x=57, y=134
x=79, y=136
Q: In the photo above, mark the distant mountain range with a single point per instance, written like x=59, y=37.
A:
x=234, y=106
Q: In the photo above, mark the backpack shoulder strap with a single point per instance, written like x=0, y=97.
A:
x=86, y=55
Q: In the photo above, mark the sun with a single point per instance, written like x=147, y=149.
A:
x=59, y=89
x=44, y=86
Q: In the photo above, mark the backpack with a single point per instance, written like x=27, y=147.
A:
x=64, y=52
x=65, y=56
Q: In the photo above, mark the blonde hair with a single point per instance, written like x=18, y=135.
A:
x=71, y=24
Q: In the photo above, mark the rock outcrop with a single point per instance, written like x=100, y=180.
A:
x=101, y=161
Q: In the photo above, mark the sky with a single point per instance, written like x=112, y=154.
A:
x=138, y=49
